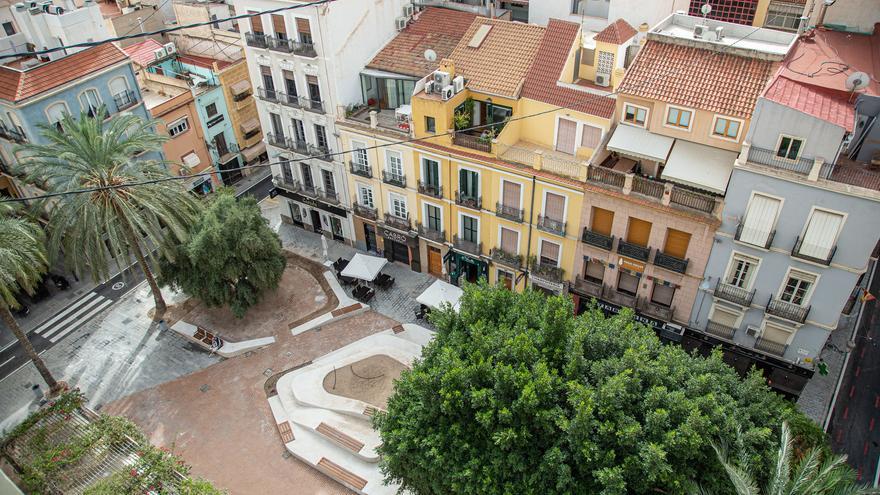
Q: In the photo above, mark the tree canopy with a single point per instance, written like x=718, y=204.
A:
x=517, y=395
x=230, y=258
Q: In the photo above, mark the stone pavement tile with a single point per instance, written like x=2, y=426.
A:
x=219, y=420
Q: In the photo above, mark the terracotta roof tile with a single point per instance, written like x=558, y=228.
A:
x=618, y=32
x=499, y=64
x=828, y=105
x=698, y=78
x=541, y=80
x=436, y=28
x=16, y=85
x=142, y=53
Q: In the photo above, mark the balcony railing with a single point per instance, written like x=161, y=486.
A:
x=720, y=330
x=596, y=239
x=312, y=105
x=787, y=310
x=799, y=245
x=473, y=202
x=304, y=49
x=12, y=134
x=671, y=263
x=549, y=272
x=656, y=310
x=471, y=247
x=734, y=294
x=258, y=40
x=398, y=222
x=473, y=142
x=551, y=225
x=124, y=99
x=633, y=250
x=269, y=94
x=505, y=258
x=770, y=347
x=394, y=179
x=312, y=191
x=606, y=176
x=692, y=199
x=321, y=153
x=588, y=288
x=771, y=159
x=289, y=100
x=509, y=212
x=279, y=45
x=648, y=187
x=287, y=183
x=432, y=234
x=364, y=211
x=619, y=298
x=749, y=233
x=362, y=169
x=430, y=189
x=277, y=140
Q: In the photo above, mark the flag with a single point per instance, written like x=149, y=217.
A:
x=866, y=296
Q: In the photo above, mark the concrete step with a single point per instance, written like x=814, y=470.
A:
x=347, y=441
x=341, y=475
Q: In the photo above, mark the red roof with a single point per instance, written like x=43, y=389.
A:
x=200, y=61
x=541, y=80
x=826, y=58
x=618, y=33
x=142, y=53
x=17, y=84
x=831, y=106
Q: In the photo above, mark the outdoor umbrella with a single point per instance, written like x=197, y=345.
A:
x=364, y=267
x=438, y=293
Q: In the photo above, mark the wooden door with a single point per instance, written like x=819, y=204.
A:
x=566, y=133
x=435, y=261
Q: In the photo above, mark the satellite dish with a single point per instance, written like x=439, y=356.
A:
x=706, y=9
x=430, y=55
x=857, y=81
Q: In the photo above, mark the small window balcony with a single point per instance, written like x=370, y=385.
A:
x=546, y=271
x=720, y=330
x=596, y=239
x=430, y=189
x=124, y=99
x=505, y=258
x=473, y=142
x=787, y=310
x=432, y=234
x=734, y=294
x=269, y=94
x=551, y=225
x=362, y=169
x=398, y=222
x=768, y=237
x=670, y=263
x=256, y=40
x=468, y=201
x=311, y=105
x=364, y=211
x=633, y=250
x=474, y=248
x=586, y=287
x=393, y=179
x=509, y=212
x=797, y=252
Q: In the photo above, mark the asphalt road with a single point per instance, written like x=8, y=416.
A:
x=259, y=190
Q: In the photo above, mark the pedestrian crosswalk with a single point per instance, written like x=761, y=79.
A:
x=73, y=317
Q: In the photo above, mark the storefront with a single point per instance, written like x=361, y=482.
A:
x=402, y=247
x=462, y=267
x=317, y=216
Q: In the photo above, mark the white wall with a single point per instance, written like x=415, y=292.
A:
x=49, y=30
x=634, y=12
x=857, y=15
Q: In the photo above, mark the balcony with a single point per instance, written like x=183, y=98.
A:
x=633, y=250
x=432, y=234
x=596, y=239
x=364, y=211
x=430, y=189
x=124, y=99
x=288, y=100
x=311, y=105
x=752, y=235
x=14, y=135
x=588, y=288
x=284, y=182
x=799, y=245
x=670, y=263
x=734, y=294
x=328, y=196
x=537, y=156
x=548, y=272
x=279, y=45
x=720, y=330
x=393, y=179
x=304, y=49
x=321, y=153
x=692, y=200
x=362, y=169
x=472, y=202
x=257, y=40
x=503, y=257
x=606, y=177
x=466, y=246
x=769, y=158
x=648, y=187
x=656, y=310
x=473, y=142
x=276, y=140
x=397, y=222
x=620, y=298
x=787, y=310
x=509, y=212
x=770, y=347
x=551, y=225
x=269, y=94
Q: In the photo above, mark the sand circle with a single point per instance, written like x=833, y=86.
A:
x=370, y=380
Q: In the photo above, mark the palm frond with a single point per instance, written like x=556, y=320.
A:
x=23, y=259
x=741, y=479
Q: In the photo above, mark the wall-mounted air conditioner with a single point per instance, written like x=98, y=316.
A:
x=170, y=48
x=159, y=53
x=700, y=30
x=430, y=87
x=458, y=84
x=408, y=10
x=448, y=92
x=603, y=79
x=753, y=331
x=400, y=22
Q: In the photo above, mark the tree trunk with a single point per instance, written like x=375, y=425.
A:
x=5, y=313
x=135, y=245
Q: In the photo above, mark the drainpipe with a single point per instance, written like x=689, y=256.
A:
x=531, y=219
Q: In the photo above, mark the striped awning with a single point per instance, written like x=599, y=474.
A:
x=240, y=87
x=251, y=153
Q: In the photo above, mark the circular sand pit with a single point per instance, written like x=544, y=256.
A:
x=370, y=380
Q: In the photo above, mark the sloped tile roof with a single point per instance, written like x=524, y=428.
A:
x=499, y=64
x=828, y=105
x=541, y=80
x=142, y=53
x=17, y=85
x=436, y=28
x=618, y=32
x=698, y=78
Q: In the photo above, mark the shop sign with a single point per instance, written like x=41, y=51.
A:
x=636, y=266
x=313, y=203
x=669, y=331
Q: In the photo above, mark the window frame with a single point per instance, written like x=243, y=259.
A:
x=752, y=277
x=424, y=176
x=791, y=139
x=426, y=217
x=541, y=241
x=358, y=147
x=725, y=137
x=54, y=104
x=522, y=189
x=432, y=128
x=654, y=289
x=518, y=237
x=544, y=203
x=392, y=206
x=86, y=91
x=844, y=216
x=803, y=276
x=216, y=111
x=680, y=109
x=399, y=156
x=360, y=196
x=745, y=215
x=479, y=179
x=175, y=123
x=643, y=125
x=461, y=216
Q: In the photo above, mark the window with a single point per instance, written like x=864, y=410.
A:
x=511, y=194
x=321, y=136
x=505, y=279
x=776, y=333
x=676, y=243
x=327, y=179
x=302, y=27
x=549, y=253
x=277, y=128
x=256, y=22
x=742, y=271
x=431, y=172
x=509, y=241
x=602, y=221
x=678, y=117
x=789, y=147
x=306, y=171
x=211, y=109
x=587, y=56
x=591, y=136
x=398, y=206
x=178, y=126
x=470, y=229
x=289, y=83
x=314, y=88
x=359, y=155
x=566, y=130
x=286, y=172
x=639, y=232
x=797, y=287
x=627, y=283
x=820, y=235
x=662, y=294
x=268, y=82
x=468, y=183
x=90, y=101
x=783, y=15
x=395, y=163
x=215, y=25
x=726, y=128
x=554, y=206
x=55, y=113
x=299, y=131
x=278, y=26
x=8, y=28
x=594, y=271
x=432, y=217
x=365, y=196
x=430, y=125
x=635, y=115
x=760, y=220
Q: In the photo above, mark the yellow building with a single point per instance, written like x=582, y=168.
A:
x=239, y=96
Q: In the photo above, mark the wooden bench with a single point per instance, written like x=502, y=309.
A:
x=347, y=441
x=285, y=432
x=341, y=474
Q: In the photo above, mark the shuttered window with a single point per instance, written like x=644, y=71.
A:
x=590, y=136
x=662, y=294
x=509, y=241
x=594, y=271
x=638, y=233
x=302, y=26
x=549, y=253
x=821, y=234
x=676, y=243
x=627, y=283
x=724, y=317
x=256, y=22
x=776, y=333
x=566, y=132
x=602, y=220
x=278, y=26
x=760, y=219
x=554, y=206
x=511, y=194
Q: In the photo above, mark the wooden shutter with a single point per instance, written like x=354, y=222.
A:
x=278, y=25
x=775, y=333
x=554, y=206
x=312, y=80
x=591, y=136
x=595, y=270
x=662, y=294
x=509, y=241
x=759, y=221
x=602, y=220
x=723, y=317
x=266, y=70
x=566, y=132
x=821, y=234
x=639, y=231
x=256, y=22
x=676, y=243
x=511, y=194
x=550, y=251
x=302, y=25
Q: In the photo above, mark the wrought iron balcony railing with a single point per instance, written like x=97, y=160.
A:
x=547, y=271
x=633, y=250
x=430, y=189
x=432, y=234
x=257, y=40
x=509, y=212
x=551, y=225
x=596, y=239
x=364, y=211
x=671, y=263
x=760, y=239
x=797, y=252
x=362, y=169
x=505, y=258
x=468, y=201
x=394, y=179
x=787, y=310
x=734, y=294
x=770, y=347
x=720, y=330
x=397, y=222
x=475, y=248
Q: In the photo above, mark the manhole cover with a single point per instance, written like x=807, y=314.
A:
x=285, y=455
x=268, y=372
x=204, y=388
x=118, y=285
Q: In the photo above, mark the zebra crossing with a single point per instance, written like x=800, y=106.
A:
x=73, y=317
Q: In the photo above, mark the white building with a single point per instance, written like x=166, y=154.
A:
x=43, y=25
x=305, y=64
x=594, y=15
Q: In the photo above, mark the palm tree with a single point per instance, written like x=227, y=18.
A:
x=112, y=222
x=22, y=265
x=814, y=473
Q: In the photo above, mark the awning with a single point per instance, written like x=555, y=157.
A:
x=639, y=143
x=364, y=267
x=439, y=293
x=250, y=125
x=251, y=153
x=241, y=87
x=700, y=166
x=191, y=160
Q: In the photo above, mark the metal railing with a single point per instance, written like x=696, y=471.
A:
x=505, y=258
x=258, y=40
x=657, y=310
x=768, y=239
x=279, y=44
x=12, y=134
x=648, y=187
x=799, y=244
x=362, y=169
x=289, y=100
x=304, y=49
x=720, y=330
x=691, y=199
x=617, y=297
x=551, y=225
x=633, y=250
x=587, y=287
x=596, y=239
x=327, y=195
x=432, y=234
x=268, y=94
x=393, y=178
x=473, y=202
x=124, y=99
x=321, y=152
x=283, y=182
x=770, y=347
x=606, y=176
x=364, y=211
x=509, y=212
x=467, y=246
x=398, y=222
x=787, y=310
x=552, y=273
x=277, y=140
x=431, y=189
x=770, y=158
x=671, y=263
x=473, y=142
x=312, y=105
x=734, y=294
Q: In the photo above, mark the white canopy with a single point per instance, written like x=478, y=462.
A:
x=364, y=267
x=700, y=166
x=438, y=293
x=639, y=143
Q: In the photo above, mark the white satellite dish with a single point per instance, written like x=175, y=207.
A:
x=430, y=55
x=706, y=9
x=857, y=81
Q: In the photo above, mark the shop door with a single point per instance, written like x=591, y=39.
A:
x=316, y=221
x=435, y=261
x=471, y=272
x=370, y=238
x=336, y=228
x=399, y=252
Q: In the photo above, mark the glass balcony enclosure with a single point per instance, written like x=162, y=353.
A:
x=386, y=91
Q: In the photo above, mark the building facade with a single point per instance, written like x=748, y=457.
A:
x=242, y=107
x=595, y=15
x=49, y=25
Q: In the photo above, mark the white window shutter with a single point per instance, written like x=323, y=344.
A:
x=759, y=220
x=821, y=234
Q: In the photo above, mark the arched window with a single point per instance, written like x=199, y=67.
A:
x=56, y=112
x=122, y=97
x=90, y=101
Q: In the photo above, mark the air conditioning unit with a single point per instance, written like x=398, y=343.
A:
x=710, y=36
x=408, y=10
x=603, y=79
x=430, y=87
x=719, y=33
x=441, y=78
x=700, y=30
x=458, y=83
x=159, y=53
x=753, y=331
x=400, y=22
x=448, y=92
x=170, y=48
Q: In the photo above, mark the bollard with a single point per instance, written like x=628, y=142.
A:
x=163, y=326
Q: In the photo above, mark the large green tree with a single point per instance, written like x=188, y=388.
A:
x=517, y=395
x=231, y=257
x=23, y=262
x=113, y=223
